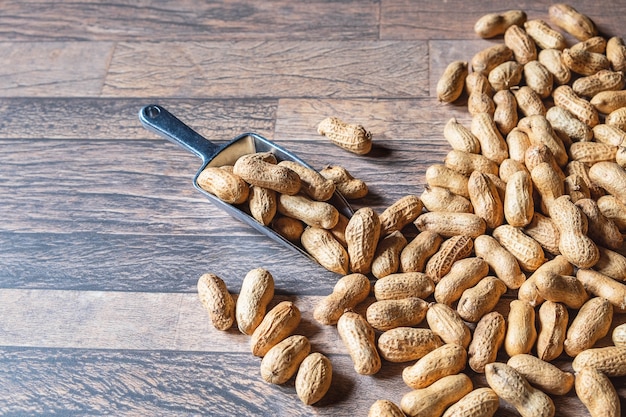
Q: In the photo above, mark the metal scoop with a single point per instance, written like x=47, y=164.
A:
x=156, y=119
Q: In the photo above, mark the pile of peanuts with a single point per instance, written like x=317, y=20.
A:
x=530, y=201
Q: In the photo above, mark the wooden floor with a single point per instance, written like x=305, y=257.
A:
x=102, y=235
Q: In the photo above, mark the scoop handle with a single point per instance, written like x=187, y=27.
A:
x=160, y=121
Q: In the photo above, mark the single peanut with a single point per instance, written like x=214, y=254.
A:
x=325, y=249
x=501, y=261
x=575, y=187
x=288, y=227
x=439, y=175
x=494, y=24
x=387, y=256
x=544, y=36
x=313, y=213
x=263, y=204
x=463, y=274
x=349, y=291
x=572, y=21
x=466, y=163
x=480, y=299
x=604, y=286
x=359, y=339
x=612, y=264
x=603, y=80
x=314, y=378
x=226, y=186
x=521, y=333
x=513, y=388
x=278, y=323
x=522, y=45
x=506, y=75
x=385, y=315
x=489, y=58
x=525, y=249
x=492, y=144
x=518, y=200
x=450, y=251
x=592, y=323
x=574, y=243
x=449, y=359
x=542, y=374
x=256, y=170
x=538, y=78
x=451, y=83
x=505, y=113
x=216, y=300
x=362, y=234
x=553, y=320
x=485, y=199
x=611, y=177
x=479, y=102
x=477, y=82
x=446, y=323
x=442, y=199
x=566, y=98
x=460, y=138
x=596, y=391
x=416, y=253
x=404, y=344
x=616, y=118
x=612, y=208
x=518, y=143
x=616, y=53
x=585, y=62
x=448, y=224
x=609, y=135
x=282, y=361
x=595, y=44
x=433, y=400
x=257, y=290
x=351, y=137
x=399, y=214
x=528, y=101
x=403, y=285
x=487, y=340
x=312, y=183
x=350, y=187
x=564, y=121
x=561, y=289
x=592, y=152
x=610, y=360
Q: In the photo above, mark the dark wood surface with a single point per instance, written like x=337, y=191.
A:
x=102, y=235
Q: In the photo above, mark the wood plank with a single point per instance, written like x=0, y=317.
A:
x=114, y=262
x=268, y=69
x=187, y=20
x=452, y=19
x=67, y=69
x=97, y=118
x=90, y=382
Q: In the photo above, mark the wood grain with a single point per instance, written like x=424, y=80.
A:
x=268, y=69
x=119, y=20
